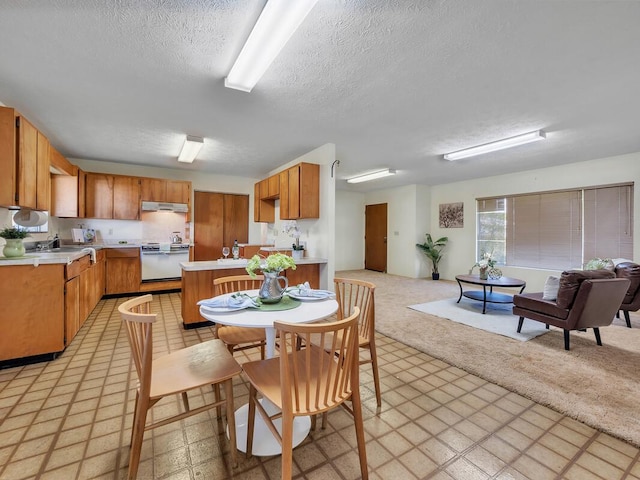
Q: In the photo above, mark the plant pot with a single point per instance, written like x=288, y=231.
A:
x=484, y=273
x=435, y=276
x=13, y=248
x=297, y=254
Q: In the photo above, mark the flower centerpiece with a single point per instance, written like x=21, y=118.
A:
x=271, y=291
x=487, y=266
x=292, y=229
x=13, y=246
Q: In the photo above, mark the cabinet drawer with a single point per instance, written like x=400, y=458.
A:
x=122, y=252
x=77, y=266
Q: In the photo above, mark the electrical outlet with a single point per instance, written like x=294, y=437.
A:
x=111, y=231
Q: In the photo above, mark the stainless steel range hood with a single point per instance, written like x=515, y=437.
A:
x=166, y=207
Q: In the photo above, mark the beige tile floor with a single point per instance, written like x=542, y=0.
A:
x=70, y=419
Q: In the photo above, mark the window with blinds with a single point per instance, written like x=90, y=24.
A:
x=557, y=230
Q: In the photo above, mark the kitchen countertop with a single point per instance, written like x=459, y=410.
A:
x=68, y=254
x=240, y=263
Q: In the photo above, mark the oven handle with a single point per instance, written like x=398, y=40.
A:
x=165, y=253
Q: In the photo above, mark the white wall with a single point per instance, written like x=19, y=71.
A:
x=350, y=223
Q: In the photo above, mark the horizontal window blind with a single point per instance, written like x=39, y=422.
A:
x=557, y=230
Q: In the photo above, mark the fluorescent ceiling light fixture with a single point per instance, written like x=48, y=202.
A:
x=495, y=146
x=275, y=26
x=371, y=176
x=190, y=149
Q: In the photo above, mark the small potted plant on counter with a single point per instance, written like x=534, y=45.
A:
x=13, y=237
x=433, y=251
x=291, y=228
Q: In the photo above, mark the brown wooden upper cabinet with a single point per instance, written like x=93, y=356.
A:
x=161, y=190
x=112, y=196
x=298, y=189
x=67, y=187
x=24, y=160
x=300, y=192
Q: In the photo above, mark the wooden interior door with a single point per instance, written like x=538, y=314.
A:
x=236, y=219
x=208, y=225
x=375, y=244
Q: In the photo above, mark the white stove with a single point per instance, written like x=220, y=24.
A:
x=161, y=261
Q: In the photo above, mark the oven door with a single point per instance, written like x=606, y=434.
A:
x=158, y=265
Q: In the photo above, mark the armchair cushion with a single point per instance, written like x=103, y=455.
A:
x=551, y=287
x=631, y=271
x=570, y=281
x=536, y=302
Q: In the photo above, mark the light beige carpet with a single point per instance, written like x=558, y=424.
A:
x=599, y=386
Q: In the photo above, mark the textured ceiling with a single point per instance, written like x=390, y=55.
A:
x=391, y=83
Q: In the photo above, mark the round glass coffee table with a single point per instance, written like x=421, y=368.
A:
x=487, y=295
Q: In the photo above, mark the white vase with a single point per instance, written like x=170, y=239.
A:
x=297, y=254
x=13, y=248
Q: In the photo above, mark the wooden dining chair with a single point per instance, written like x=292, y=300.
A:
x=358, y=293
x=239, y=338
x=308, y=381
x=207, y=363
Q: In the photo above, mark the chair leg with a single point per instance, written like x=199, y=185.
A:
x=251, y=420
x=139, y=421
x=262, y=350
x=546, y=326
x=376, y=373
x=287, y=446
x=217, y=397
x=626, y=317
x=566, y=339
x=596, y=332
x=520, y=322
x=357, y=420
x=231, y=419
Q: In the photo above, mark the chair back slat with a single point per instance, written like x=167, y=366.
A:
x=316, y=379
x=138, y=320
x=352, y=293
x=236, y=283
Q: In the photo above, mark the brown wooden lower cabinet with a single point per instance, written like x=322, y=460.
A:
x=32, y=317
x=123, y=270
x=198, y=285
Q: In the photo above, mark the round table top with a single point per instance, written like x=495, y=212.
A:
x=498, y=282
x=308, y=311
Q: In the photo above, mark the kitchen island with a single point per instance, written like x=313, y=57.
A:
x=198, y=277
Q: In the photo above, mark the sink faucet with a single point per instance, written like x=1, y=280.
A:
x=50, y=243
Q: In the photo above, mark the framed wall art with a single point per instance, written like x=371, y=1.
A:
x=452, y=215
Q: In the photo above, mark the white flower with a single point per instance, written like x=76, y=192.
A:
x=291, y=228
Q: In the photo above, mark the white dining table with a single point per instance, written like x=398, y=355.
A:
x=312, y=310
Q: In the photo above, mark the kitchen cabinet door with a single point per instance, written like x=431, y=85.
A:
x=208, y=224
x=32, y=300
x=153, y=190
x=263, y=209
x=123, y=270
x=71, y=309
x=178, y=192
x=67, y=195
x=126, y=198
x=99, y=195
x=27, y=163
x=300, y=192
x=24, y=162
x=236, y=219
x=43, y=176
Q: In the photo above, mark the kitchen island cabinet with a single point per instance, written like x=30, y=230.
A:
x=198, y=277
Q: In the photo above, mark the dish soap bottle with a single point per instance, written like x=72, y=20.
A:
x=235, y=250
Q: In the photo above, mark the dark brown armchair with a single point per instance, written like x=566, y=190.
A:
x=631, y=302
x=586, y=299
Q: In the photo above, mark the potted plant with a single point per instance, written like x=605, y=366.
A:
x=291, y=228
x=271, y=291
x=433, y=251
x=13, y=237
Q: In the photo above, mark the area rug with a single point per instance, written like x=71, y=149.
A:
x=599, y=386
x=497, y=319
